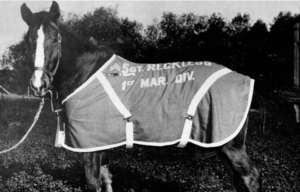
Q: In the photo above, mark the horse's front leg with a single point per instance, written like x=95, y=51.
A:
x=246, y=177
x=96, y=172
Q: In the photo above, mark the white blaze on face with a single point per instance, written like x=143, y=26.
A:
x=39, y=58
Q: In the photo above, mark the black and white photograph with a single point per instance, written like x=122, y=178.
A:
x=149, y=96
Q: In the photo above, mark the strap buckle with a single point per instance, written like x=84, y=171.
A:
x=189, y=117
x=186, y=131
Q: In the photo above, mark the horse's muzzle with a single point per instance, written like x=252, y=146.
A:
x=42, y=88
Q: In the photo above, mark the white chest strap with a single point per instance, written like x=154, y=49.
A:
x=195, y=102
x=120, y=106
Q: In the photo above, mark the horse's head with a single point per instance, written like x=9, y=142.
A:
x=44, y=41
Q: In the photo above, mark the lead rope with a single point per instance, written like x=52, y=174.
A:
x=29, y=130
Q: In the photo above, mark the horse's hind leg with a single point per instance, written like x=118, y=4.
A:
x=246, y=178
x=97, y=175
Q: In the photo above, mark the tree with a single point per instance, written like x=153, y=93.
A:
x=216, y=41
x=152, y=35
x=17, y=80
x=258, y=37
x=240, y=23
x=241, y=44
x=104, y=25
x=281, y=46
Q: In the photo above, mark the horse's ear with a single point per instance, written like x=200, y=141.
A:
x=26, y=14
x=54, y=12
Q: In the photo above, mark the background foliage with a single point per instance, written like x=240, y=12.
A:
x=259, y=50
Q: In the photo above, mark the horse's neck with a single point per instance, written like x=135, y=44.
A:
x=78, y=62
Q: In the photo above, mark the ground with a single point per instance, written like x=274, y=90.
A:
x=36, y=165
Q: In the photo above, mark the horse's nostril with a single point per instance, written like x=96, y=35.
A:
x=45, y=83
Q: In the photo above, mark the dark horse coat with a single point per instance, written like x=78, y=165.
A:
x=125, y=103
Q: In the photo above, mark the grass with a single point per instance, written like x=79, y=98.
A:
x=37, y=165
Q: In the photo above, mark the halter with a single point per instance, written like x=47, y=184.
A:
x=49, y=73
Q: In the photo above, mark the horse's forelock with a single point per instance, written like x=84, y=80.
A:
x=39, y=19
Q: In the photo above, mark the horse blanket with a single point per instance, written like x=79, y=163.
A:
x=126, y=103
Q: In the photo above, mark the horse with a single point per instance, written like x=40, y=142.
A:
x=63, y=61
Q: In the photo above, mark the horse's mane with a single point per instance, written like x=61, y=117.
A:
x=65, y=28
x=87, y=43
